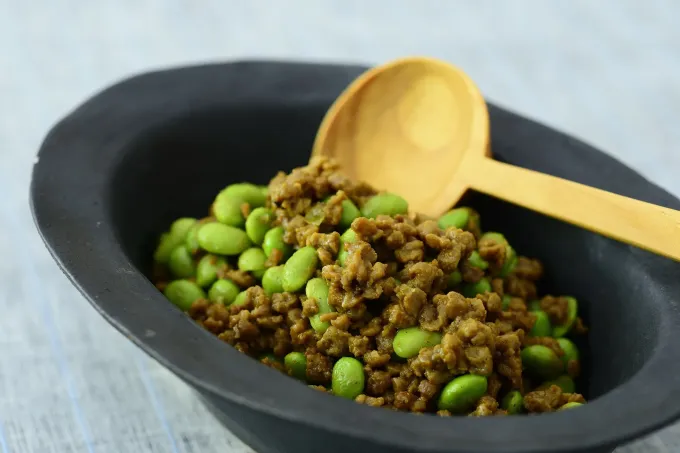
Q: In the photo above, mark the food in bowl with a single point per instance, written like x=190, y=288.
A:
x=340, y=286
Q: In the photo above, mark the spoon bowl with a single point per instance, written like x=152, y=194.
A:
x=419, y=127
x=406, y=127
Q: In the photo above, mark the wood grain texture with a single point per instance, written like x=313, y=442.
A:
x=419, y=127
x=404, y=127
x=635, y=222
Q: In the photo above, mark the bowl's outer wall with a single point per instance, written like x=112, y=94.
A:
x=266, y=435
x=246, y=121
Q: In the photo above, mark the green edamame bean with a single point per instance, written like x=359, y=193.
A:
x=191, y=240
x=245, y=192
x=349, y=213
x=272, y=280
x=457, y=218
x=510, y=256
x=317, y=289
x=475, y=260
x=510, y=262
x=258, y=223
x=264, y=190
x=222, y=239
x=174, y=237
x=252, y=260
x=207, y=268
x=572, y=312
x=408, y=342
x=240, y=298
x=571, y=405
x=166, y=245
x=542, y=327
x=384, y=204
x=181, y=226
x=296, y=364
x=273, y=239
x=183, y=293
x=472, y=289
x=541, y=361
x=227, y=210
x=347, y=378
x=570, y=350
x=342, y=255
x=462, y=393
x=181, y=263
x=513, y=402
x=223, y=292
x=454, y=279
x=347, y=237
x=564, y=382
x=299, y=269
x=506, y=301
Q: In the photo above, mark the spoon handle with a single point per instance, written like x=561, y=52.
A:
x=645, y=225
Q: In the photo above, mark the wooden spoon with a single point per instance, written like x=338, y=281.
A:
x=419, y=127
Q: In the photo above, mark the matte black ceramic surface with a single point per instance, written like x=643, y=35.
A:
x=117, y=170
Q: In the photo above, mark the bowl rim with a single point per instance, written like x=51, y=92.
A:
x=71, y=216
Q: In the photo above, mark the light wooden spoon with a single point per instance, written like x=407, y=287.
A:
x=419, y=127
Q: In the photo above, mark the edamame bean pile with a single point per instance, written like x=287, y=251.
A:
x=339, y=286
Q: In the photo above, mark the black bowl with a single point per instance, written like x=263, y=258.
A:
x=118, y=169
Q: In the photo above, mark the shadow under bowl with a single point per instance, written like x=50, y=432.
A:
x=117, y=170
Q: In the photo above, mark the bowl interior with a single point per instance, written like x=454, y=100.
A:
x=176, y=168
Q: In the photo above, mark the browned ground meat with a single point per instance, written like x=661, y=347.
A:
x=395, y=275
x=557, y=309
x=550, y=399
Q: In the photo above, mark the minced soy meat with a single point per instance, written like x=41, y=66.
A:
x=399, y=271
